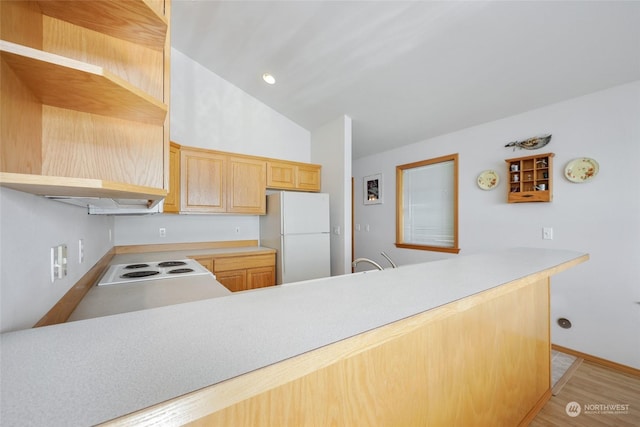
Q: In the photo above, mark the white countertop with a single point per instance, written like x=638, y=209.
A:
x=126, y=297
x=90, y=371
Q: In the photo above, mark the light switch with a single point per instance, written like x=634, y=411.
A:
x=547, y=233
x=58, y=262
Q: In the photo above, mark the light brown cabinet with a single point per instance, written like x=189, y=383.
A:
x=203, y=181
x=172, y=201
x=530, y=178
x=97, y=125
x=242, y=272
x=285, y=175
x=246, y=185
x=215, y=182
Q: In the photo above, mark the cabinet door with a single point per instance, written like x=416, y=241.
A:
x=234, y=280
x=246, y=185
x=308, y=177
x=261, y=277
x=172, y=201
x=281, y=175
x=202, y=181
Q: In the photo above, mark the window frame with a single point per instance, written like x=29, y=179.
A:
x=400, y=243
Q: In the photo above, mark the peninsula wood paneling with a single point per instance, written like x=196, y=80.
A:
x=482, y=361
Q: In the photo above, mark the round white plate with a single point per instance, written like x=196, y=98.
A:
x=581, y=170
x=488, y=180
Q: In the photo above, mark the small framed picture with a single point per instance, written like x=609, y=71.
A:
x=373, y=189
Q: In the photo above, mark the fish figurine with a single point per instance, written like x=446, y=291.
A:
x=531, y=143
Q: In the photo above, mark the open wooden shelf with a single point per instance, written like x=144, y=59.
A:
x=79, y=187
x=131, y=20
x=530, y=178
x=66, y=83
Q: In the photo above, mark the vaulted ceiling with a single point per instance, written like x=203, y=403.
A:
x=405, y=71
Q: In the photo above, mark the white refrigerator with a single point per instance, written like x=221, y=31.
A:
x=297, y=226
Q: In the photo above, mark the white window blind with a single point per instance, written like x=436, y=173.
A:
x=428, y=205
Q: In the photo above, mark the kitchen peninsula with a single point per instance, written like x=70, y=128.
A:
x=463, y=341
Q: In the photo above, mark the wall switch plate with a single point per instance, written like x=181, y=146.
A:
x=58, y=262
x=80, y=251
x=547, y=233
x=163, y=232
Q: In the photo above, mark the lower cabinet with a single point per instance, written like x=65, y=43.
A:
x=244, y=272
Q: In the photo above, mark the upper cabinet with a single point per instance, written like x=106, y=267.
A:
x=215, y=182
x=85, y=95
x=203, y=181
x=208, y=181
x=172, y=201
x=285, y=175
x=246, y=180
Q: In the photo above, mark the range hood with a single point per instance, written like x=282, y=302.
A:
x=100, y=197
x=105, y=206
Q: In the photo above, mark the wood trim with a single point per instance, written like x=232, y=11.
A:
x=537, y=408
x=61, y=311
x=428, y=248
x=163, y=247
x=400, y=169
x=598, y=360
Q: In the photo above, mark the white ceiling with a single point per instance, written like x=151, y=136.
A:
x=408, y=71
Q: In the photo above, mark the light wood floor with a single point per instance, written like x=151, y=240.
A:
x=592, y=385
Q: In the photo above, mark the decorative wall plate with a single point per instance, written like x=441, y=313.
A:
x=488, y=180
x=581, y=170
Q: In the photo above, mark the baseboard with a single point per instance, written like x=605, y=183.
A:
x=536, y=408
x=598, y=360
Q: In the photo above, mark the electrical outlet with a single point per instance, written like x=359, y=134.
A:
x=547, y=233
x=163, y=232
x=80, y=251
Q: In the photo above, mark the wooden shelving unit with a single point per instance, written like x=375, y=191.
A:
x=85, y=94
x=530, y=178
x=132, y=20
x=79, y=86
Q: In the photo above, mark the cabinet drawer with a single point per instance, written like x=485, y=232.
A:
x=244, y=262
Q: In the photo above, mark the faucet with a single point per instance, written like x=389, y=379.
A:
x=357, y=260
x=393, y=264
x=375, y=264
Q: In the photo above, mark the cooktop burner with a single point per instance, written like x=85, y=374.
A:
x=134, y=266
x=171, y=263
x=180, y=270
x=139, y=272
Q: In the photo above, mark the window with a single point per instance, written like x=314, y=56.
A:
x=427, y=205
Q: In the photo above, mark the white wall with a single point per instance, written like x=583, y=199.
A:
x=601, y=217
x=29, y=227
x=135, y=230
x=331, y=147
x=209, y=112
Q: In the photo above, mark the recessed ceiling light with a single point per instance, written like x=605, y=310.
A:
x=268, y=78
